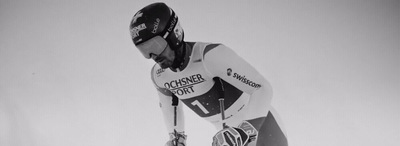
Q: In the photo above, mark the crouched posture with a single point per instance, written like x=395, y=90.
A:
x=198, y=74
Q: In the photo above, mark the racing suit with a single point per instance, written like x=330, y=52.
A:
x=247, y=93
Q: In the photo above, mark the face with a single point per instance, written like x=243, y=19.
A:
x=158, y=49
x=165, y=59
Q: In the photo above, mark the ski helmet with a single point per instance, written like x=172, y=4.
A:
x=156, y=19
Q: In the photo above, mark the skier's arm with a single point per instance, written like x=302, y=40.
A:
x=173, y=115
x=223, y=62
x=170, y=108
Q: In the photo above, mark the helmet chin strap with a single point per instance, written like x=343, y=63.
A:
x=179, y=60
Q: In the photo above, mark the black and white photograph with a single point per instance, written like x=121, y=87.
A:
x=199, y=73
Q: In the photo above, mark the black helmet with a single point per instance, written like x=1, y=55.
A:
x=156, y=19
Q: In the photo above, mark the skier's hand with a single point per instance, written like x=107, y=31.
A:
x=176, y=139
x=230, y=136
x=250, y=130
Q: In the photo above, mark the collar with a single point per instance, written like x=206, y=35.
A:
x=183, y=58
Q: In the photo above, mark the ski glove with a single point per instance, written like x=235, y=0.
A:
x=230, y=136
x=177, y=139
x=249, y=130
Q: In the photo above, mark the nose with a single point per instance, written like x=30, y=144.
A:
x=153, y=56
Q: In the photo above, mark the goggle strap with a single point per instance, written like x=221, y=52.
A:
x=167, y=29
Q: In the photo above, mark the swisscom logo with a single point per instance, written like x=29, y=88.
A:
x=242, y=78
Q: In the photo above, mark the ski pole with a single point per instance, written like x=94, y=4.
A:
x=175, y=104
x=221, y=99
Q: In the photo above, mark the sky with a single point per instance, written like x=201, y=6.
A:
x=70, y=74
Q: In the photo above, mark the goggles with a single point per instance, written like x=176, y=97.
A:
x=155, y=45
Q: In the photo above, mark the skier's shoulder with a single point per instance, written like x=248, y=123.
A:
x=205, y=47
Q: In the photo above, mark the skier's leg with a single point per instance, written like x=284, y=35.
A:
x=269, y=133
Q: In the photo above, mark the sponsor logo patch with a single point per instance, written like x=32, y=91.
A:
x=159, y=71
x=229, y=71
x=242, y=78
x=135, y=30
x=184, y=85
x=155, y=26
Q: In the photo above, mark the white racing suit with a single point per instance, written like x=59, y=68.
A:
x=247, y=93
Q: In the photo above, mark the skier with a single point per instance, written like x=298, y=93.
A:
x=210, y=79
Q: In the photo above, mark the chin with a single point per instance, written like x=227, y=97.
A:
x=164, y=65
